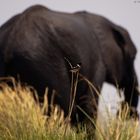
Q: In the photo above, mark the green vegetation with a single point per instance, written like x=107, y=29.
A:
x=22, y=118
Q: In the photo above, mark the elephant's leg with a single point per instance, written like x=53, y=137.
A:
x=131, y=94
x=88, y=102
x=86, y=112
x=87, y=106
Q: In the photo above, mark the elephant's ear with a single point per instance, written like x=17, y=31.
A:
x=123, y=40
x=118, y=38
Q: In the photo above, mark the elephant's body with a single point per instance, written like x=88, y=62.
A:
x=38, y=43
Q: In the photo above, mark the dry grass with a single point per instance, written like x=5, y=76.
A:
x=22, y=118
x=122, y=127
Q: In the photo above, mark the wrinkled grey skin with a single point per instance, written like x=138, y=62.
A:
x=36, y=44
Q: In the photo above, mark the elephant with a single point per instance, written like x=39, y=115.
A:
x=118, y=53
x=41, y=47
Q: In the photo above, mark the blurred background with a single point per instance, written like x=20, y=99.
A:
x=125, y=13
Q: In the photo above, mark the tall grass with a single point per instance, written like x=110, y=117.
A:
x=122, y=127
x=23, y=118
